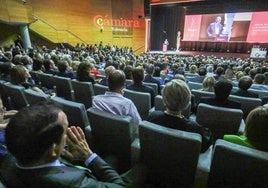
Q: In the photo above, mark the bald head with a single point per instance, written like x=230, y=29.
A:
x=116, y=80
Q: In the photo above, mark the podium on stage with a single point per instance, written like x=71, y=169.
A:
x=165, y=45
x=164, y=48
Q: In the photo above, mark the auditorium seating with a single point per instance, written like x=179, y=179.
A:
x=83, y=92
x=34, y=97
x=237, y=166
x=76, y=112
x=63, y=87
x=112, y=136
x=170, y=156
x=100, y=89
x=194, y=85
x=152, y=85
x=220, y=120
x=46, y=80
x=141, y=100
x=247, y=103
x=198, y=94
x=15, y=95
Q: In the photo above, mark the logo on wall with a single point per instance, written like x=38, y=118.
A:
x=119, y=26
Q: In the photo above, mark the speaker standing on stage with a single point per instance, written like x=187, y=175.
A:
x=178, y=41
x=165, y=44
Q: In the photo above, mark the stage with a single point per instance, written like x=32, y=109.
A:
x=194, y=53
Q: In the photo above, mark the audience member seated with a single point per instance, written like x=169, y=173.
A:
x=256, y=130
x=193, y=70
x=202, y=71
x=36, y=137
x=244, y=84
x=83, y=72
x=258, y=82
x=128, y=72
x=108, y=70
x=113, y=100
x=150, y=69
x=222, y=90
x=176, y=97
x=19, y=75
x=208, y=84
x=64, y=70
x=5, y=70
x=219, y=74
x=49, y=67
x=137, y=84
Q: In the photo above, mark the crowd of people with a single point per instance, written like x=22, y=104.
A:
x=36, y=136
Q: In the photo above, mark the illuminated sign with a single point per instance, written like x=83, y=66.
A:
x=100, y=22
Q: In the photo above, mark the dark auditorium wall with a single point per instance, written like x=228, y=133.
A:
x=78, y=17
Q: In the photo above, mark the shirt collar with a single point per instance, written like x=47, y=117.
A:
x=54, y=163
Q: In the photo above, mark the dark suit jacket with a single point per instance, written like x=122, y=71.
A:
x=143, y=88
x=245, y=93
x=150, y=79
x=227, y=103
x=99, y=175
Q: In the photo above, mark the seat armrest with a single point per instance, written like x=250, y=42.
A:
x=89, y=137
x=135, y=151
x=241, y=130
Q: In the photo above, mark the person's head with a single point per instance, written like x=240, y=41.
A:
x=176, y=95
x=222, y=89
x=19, y=74
x=128, y=72
x=108, y=70
x=219, y=71
x=208, y=83
x=36, y=134
x=137, y=75
x=265, y=78
x=218, y=19
x=150, y=69
x=245, y=82
x=116, y=80
x=193, y=69
x=63, y=66
x=259, y=78
x=229, y=74
x=37, y=64
x=202, y=71
x=83, y=71
x=257, y=127
x=239, y=75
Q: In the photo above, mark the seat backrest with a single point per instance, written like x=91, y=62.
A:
x=247, y=103
x=46, y=80
x=100, y=89
x=64, y=87
x=219, y=120
x=16, y=96
x=195, y=85
x=262, y=93
x=152, y=85
x=83, y=92
x=34, y=97
x=35, y=76
x=198, y=94
x=76, y=112
x=238, y=166
x=112, y=135
x=170, y=155
x=159, y=105
x=141, y=100
x=4, y=96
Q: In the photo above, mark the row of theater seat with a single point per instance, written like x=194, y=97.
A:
x=171, y=156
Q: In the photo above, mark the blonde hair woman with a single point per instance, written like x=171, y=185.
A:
x=208, y=84
x=176, y=97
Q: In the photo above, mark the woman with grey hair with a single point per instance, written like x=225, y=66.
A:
x=176, y=97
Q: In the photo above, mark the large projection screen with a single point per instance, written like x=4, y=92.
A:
x=250, y=27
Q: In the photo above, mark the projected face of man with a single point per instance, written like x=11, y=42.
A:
x=218, y=19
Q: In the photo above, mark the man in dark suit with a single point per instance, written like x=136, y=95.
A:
x=137, y=85
x=215, y=28
x=222, y=90
x=37, y=137
x=244, y=84
x=149, y=76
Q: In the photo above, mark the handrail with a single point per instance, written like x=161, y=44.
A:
x=138, y=48
x=57, y=29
